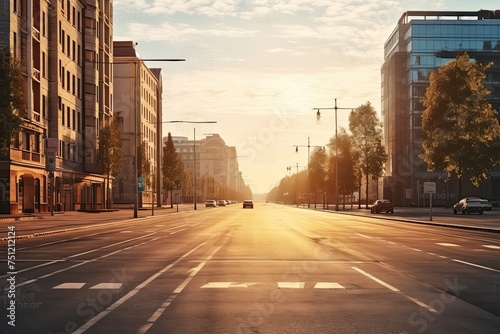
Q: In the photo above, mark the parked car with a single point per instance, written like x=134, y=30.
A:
x=382, y=205
x=222, y=202
x=486, y=205
x=211, y=203
x=247, y=204
x=469, y=205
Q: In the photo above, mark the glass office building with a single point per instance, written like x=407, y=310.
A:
x=422, y=42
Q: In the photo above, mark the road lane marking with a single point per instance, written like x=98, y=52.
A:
x=83, y=262
x=328, y=285
x=131, y=293
x=416, y=249
x=445, y=244
x=291, y=285
x=364, y=236
x=109, y=286
x=476, y=265
x=491, y=246
x=390, y=287
x=226, y=285
x=69, y=286
x=150, y=322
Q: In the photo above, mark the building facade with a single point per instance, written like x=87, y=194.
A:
x=137, y=101
x=65, y=54
x=422, y=42
x=216, y=167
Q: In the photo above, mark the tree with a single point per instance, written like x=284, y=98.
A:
x=459, y=125
x=366, y=132
x=317, y=170
x=172, y=166
x=346, y=164
x=12, y=102
x=110, y=153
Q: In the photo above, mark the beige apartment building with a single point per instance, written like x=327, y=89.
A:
x=216, y=167
x=137, y=102
x=65, y=51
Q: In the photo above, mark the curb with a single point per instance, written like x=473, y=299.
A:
x=463, y=227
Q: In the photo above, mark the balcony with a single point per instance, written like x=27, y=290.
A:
x=36, y=74
x=36, y=34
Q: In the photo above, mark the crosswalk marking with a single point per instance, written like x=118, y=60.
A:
x=327, y=285
x=291, y=285
x=223, y=285
x=79, y=285
x=69, y=286
x=445, y=244
x=107, y=286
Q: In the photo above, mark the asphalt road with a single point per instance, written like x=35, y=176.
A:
x=273, y=269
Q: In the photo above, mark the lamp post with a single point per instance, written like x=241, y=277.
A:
x=318, y=116
x=308, y=155
x=194, y=152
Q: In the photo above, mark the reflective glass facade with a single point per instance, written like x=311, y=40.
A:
x=421, y=43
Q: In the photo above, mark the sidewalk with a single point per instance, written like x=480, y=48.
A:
x=32, y=225
x=489, y=221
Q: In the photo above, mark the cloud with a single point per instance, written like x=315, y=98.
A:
x=180, y=32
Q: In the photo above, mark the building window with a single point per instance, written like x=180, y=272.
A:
x=44, y=67
x=44, y=18
x=74, y=119
x=68, y=111
x=62, y=115
x=68, y=80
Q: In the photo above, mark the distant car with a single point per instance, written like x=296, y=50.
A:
x=247, y=204
x=382, y=205
x=222, y=202
x=469, y=205
x=211, y=203
x=486, y=205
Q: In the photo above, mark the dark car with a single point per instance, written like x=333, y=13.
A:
x=247, y=204
x=381, y=205
x=486, y=205
x=469, y=205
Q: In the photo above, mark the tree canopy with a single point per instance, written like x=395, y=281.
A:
x=459, y=125
x=12, y=102
x=367, y=138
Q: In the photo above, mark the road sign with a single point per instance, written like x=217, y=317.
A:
x=140, y=179
x=429, y=187
x=140, y=187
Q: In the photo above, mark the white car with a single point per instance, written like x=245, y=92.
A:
x=211, y=203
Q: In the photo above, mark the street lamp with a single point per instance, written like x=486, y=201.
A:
x=318, y=116
x=194, y=151
x=308, y=155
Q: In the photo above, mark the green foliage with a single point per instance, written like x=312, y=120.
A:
x=459, y=125
x=172, y=166
x=12, y=102
x=110, y=149
x=144, y=163
x=317, y=171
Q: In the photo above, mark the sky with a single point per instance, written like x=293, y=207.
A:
x=259, y=67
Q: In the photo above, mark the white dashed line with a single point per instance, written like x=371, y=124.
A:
x=327, y=285
x=291, y=285
x=491, y=246
x=476, y=265
x=69, y=286
x=111, y=286
x=445, y=244
x=364, y=236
